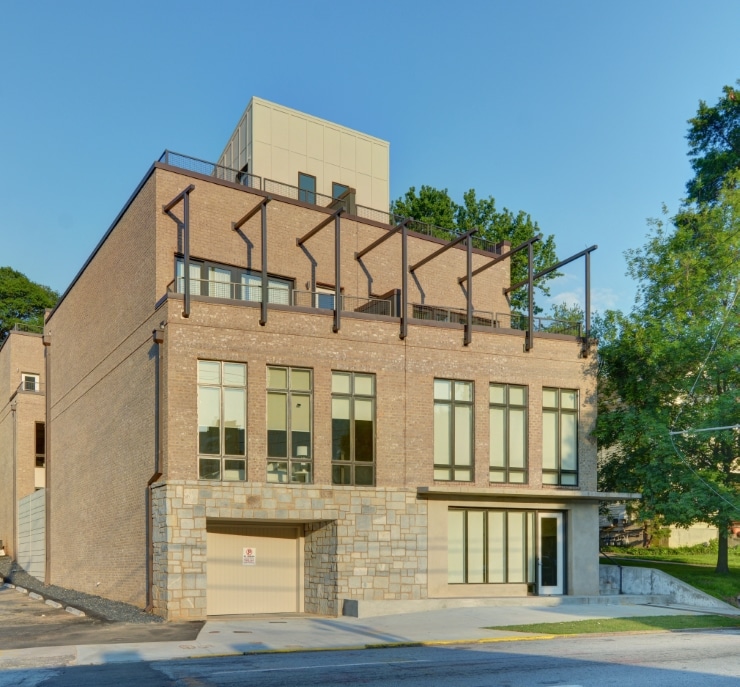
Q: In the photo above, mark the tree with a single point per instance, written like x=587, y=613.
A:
x=22, y=301
x=434, y=206
x=669, y=372
x=714, y=140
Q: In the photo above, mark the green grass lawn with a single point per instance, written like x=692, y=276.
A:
x=695, y=567
x=653, y=623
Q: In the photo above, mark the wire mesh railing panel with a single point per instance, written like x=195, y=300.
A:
x=211, y=169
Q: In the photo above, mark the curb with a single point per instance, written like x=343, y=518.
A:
x=50, y=602
x=382, y=645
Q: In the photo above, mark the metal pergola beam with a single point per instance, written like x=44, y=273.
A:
x=183, y=196
x=262, y=209
x=250, y=214
x=318, y=227
x=552, y=268
x=383, y=238
x=443, y=249
x=336, y=216
x=500, y=258
x=468, y=336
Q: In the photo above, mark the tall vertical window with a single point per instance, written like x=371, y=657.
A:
x=490, y=546
x=560, y=436
x=306, y=188
x=222, y=420
x=289, y=400
x=453, y=430
x=353, y=428
x=40, y=441
x=508, y=433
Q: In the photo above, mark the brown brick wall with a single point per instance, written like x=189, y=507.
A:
x=103, y=413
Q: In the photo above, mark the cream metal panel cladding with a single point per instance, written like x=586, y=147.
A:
x=276, y=142
x=268, y=581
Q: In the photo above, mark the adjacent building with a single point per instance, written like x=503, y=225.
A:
x=270, y=396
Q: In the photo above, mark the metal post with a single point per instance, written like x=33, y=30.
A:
x=265, y=289
x=337, y=272
x=469, y=322
x=588, y=297
x=529, y=343
x=186, y=250
x=404, y=282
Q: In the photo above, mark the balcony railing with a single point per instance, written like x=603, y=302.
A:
x=324, y=300
x=484, y=318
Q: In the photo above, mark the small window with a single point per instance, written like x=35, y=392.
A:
x=338, y=190
x=30, y=382
x=306, y=188
x=40, y=440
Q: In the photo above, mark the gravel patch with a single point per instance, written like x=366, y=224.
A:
x=94, y=606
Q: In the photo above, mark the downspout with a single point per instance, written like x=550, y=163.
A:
x=13, y=409
x=158, y=337
x=46, y=340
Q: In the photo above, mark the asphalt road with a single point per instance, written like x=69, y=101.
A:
x=26, y=623
x=679, y=659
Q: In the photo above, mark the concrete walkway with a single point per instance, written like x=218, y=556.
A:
x=257, y=634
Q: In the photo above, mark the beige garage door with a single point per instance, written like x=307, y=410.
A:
x=253, y=569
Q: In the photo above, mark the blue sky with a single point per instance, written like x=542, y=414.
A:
x=572, y=111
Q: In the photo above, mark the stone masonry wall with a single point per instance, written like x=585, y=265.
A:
x=368, y=544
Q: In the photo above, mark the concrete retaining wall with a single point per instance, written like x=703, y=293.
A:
x=649, y=581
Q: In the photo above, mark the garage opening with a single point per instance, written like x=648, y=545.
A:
x=254, y=568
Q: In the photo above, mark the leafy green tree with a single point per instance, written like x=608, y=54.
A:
x=714, y=140
x=669, y=372
x=22, y=301
x=436, y=207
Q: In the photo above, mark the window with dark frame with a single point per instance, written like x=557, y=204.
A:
x=222, y=420
x=490, y=546
x=338, y=190
x=306, y=188
x=353, y=428
x=30, y=381
x=508, y=433
x=40, y=441
x=453, y=430
x=289, y=425
x=224, y=281
x=560, y=437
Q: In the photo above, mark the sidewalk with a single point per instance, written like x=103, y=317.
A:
x=258, y=634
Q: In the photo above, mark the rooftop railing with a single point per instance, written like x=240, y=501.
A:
x=314, y=198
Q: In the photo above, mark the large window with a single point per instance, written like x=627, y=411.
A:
x=453, y=430
x=222, y=420
x=508, y=433
x=490, y=546
x=353, y=428
x=306, y=188
x=289, y=444
x=223, y=281
x=560, y=436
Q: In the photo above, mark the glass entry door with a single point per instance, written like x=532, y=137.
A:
x=549, y=553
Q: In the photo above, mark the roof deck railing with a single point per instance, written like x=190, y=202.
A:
x=322, y=200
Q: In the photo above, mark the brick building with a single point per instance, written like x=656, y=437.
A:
x=269, y=396
x=22, y=433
